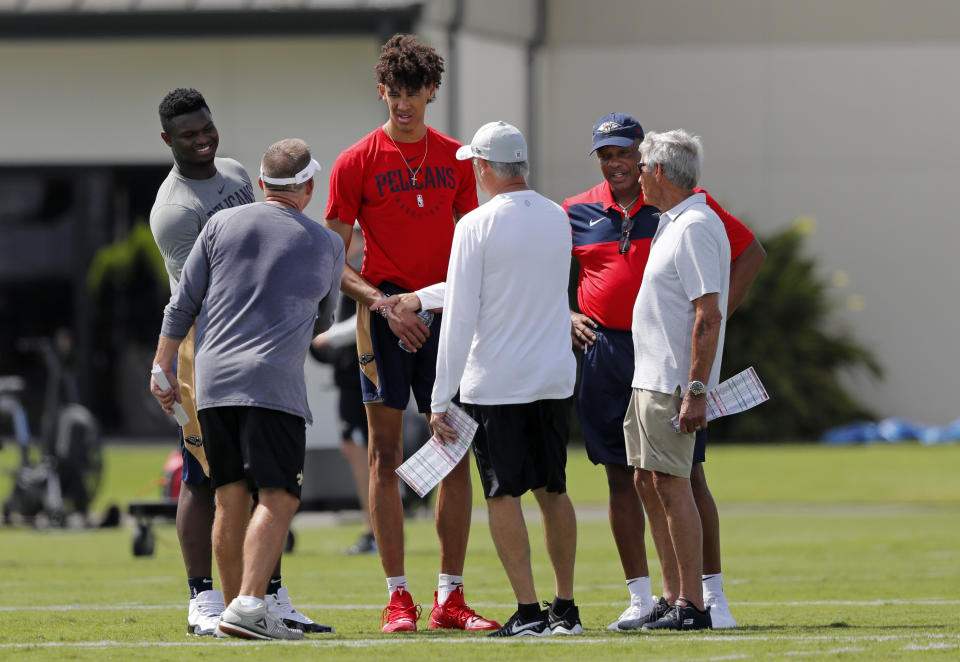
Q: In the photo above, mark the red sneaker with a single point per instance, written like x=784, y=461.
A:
x=401, y=615
x=454, y=614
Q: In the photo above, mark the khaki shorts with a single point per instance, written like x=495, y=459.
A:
x=651, y=441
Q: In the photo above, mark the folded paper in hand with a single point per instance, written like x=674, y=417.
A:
x=435, y=459
x=741, y=392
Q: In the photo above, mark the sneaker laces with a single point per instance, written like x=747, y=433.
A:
x=461, y=613
x=209, y=609
x=281, y=604
x=412, y=612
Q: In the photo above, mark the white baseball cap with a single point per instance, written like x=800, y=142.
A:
x=496, y=141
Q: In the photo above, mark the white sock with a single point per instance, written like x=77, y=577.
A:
x=712, y=585
x=393, y=583
x=249, y=602
x=640, y=592
x=446, y=585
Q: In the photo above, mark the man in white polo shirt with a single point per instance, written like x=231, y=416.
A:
x=678, y=330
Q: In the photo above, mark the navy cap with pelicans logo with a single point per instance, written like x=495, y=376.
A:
x=617, y=129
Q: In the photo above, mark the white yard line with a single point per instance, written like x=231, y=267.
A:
x=924, y=602
x=937, y=641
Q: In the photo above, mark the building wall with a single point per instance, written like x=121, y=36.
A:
x=95, y=102
x=842, y=111
x=98, y=99
x=839, y=111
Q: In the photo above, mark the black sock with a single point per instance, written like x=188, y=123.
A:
x=528, y=612
x=273, y=585
x=199, y=585
x=560, y=606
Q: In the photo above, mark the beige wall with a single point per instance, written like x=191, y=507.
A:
x=96, y=101
x=842, y=111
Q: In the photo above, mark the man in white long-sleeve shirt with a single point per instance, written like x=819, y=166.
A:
x=505, y=345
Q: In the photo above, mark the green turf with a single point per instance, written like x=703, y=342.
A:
x=829, y=553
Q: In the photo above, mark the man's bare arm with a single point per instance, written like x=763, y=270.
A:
x=706, y=338
x=406, y=326
x=743, y=271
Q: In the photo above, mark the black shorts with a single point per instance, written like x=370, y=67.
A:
x=521, y=447
x=263, y=447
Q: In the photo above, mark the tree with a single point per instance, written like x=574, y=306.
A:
x=785, y=330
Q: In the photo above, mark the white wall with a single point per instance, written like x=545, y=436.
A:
x=860, y=134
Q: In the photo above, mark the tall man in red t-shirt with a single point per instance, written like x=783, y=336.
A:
x=612, y=232
x=403, y=184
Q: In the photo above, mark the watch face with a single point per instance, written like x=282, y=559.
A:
x=696, y=388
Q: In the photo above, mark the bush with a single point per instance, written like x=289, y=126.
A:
x=784, y=329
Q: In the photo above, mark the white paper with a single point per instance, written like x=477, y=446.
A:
x=179, y=412
x=429, y=465
x=741, y=392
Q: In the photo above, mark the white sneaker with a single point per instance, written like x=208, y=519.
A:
x=204, y=612
x=280, y=606
x=256, y=623
x=635, y=615
x=719, y=611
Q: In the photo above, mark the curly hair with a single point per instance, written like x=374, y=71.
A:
x=406, y=63
x=180, y=101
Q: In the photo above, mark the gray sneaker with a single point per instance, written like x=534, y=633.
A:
x=255, y=623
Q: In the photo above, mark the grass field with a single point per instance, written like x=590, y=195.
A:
x=829, y=553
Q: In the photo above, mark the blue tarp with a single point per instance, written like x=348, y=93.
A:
x=891, y=430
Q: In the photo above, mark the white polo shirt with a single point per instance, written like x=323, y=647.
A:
x=690, y=257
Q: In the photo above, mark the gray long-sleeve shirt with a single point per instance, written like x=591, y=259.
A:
x=255, y=282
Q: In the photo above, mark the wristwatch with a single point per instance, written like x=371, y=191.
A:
x=696, y=388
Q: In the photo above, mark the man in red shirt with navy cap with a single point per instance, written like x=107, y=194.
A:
x=612, y=232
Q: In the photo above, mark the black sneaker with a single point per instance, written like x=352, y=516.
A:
x=659, y=611
x=566, y=623
x=681, y=616
x=517, y=626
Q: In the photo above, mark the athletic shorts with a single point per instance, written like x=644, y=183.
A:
x=192, y=472
x=651, y=441
x=521, y=447
x=606, y=375
x=388, y=373
x=353, y=417
x=263, y=447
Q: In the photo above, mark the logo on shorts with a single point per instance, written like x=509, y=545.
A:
x=193, y=440
x=366, y=358
x=300, y=479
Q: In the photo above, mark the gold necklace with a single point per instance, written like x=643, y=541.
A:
x=413, y=173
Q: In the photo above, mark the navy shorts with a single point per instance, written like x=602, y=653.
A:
x=263, y=447
x=606, y=378
x=192, y=472
x=521, y=447
x=399, y=371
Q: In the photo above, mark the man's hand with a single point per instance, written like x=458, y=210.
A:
x=440, y=428
x=582, y=332
x=168, y=397
x=400, y=311
x=693, y=413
